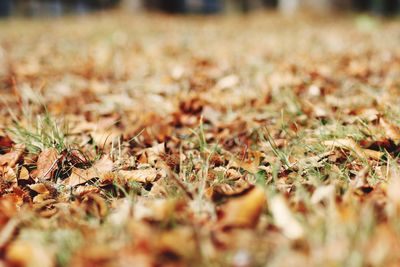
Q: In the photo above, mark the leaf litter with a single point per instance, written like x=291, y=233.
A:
x=176, y=141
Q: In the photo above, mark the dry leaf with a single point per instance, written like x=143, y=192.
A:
x=43, y=191
x=243, y=211
x=251, y=165
x=29, y=254
x=87, y=189
x=80, y=176
x=95, y=205
x=142, y=176
x=121, y=213
x=9, y=175
x=11, y=158
x=47, y=163
x=392, y=131
x=105, y=138
x=178, y=241
x=354, y=148
x=153, y=153
x=23, y=174
x=284, y=218
x=5, y=143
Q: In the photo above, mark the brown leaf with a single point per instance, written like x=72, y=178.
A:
x=80, y=176
x=23, y=174
x=219, y=191
x=11, y=158
x=179, y=241
x=354, y=148
x=95, y=205
x=152, y=154
x=250, y=165
x=9, y=174
x=39, y=188
x=243, y=211
x=88, y=189
x=392, y=131
x=30, y=254
x=5, y=143
x=47, y=163
x=142, y=176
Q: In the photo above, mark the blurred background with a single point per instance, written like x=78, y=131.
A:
x=34, y=8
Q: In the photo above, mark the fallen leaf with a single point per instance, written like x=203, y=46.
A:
x=11, y=158
x=29, y=254
x=178, y=241
x=354, y=148
x=360, y=181
x=23, y=174
x=9, y=175
x=392, y=131
x=105, y=138
x=243, y=211
x=81, y=176
x=142, y=176
x=153, y=153
x=284, y=218
x=95, y=205
x=47, y=163
x=83, y=190
x=5, y=143
x=249, y=165
x=39, y=188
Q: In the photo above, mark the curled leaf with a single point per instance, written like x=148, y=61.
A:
x=11, y=158
x=243, y=211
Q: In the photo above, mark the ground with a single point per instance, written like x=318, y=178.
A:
x=150, y=140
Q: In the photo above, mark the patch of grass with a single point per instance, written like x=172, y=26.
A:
x=279, y=153
x=44, y=132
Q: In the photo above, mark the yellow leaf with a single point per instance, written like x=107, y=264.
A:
x=28, y=254
x=243, y=211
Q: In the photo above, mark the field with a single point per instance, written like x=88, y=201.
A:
x=150, y=140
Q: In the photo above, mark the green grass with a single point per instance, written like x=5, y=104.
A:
x=44, y=132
